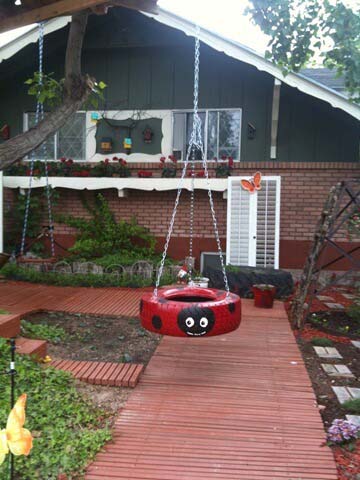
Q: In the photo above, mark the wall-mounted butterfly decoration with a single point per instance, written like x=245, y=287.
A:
x=253, y=184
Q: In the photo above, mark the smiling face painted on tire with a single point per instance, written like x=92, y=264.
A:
x=196, y=321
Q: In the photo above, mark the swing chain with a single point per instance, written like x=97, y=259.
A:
x=39, y=116
x=194, y=144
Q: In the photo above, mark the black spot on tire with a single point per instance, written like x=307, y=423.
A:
x=157, y=322
x=231, y=307
x=141, y=306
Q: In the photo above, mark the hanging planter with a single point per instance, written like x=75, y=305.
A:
x=264, y=295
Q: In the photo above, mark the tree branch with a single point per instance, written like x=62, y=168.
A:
x=77, y=88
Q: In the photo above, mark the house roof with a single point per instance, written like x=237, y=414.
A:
x=231, y=48
x=326, y=77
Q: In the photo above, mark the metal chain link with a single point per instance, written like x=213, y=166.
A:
x=194, y=144
x=39, y=115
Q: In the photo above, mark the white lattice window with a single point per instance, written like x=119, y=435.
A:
x=69, y=141
x=221, y=133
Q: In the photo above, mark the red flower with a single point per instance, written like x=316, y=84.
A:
x=69, y=162
x=162, y=159
x=215, y=159
x=85, y=173
x=201, y=173
x=36, y=172
x=106, y=161
x=223, y=157
x=63, y=159
x=115, y=159
x=231, y=162
x=173, y=158
x=28, y=171
x=123, y=162
x=144, y=173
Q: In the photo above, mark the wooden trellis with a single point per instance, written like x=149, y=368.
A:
x=343, y=203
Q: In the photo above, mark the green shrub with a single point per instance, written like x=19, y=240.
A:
x=352, y=406
x=103, y=235
x=68, y=430
x=322, y=342
x=43, y=331
x=128, y=258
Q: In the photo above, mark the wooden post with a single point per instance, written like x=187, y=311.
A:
x=326, y=221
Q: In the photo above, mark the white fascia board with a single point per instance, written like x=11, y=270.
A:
x=244, y=54
x=32, y=36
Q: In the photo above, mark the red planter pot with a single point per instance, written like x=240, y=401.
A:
x=263, y=298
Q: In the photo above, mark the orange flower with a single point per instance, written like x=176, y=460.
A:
x=14, y=437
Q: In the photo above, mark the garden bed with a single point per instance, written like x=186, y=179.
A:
x=95, y=338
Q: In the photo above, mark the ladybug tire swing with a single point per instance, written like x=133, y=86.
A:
x=191, y=311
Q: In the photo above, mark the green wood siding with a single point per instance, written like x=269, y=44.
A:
x=147, y=65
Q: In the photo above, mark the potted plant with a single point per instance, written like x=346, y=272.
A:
x=264, y=295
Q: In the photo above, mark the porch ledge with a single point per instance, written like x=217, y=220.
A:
x=120, y=184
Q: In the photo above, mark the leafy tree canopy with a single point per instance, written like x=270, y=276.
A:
x=302, y=30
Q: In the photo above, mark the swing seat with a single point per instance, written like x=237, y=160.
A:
x=190, y=311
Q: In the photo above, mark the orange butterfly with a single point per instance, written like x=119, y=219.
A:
x=14, y=437
x=253, y=184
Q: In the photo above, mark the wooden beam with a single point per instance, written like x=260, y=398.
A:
x=68, y=7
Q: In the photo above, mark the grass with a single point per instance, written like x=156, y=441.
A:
x=322, y=342
x=68, y=430
x=3, y=312
x=352, y=406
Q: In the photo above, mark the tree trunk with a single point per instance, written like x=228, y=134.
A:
x=77, y=89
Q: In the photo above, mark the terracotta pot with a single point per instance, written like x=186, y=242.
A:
x=264, y=297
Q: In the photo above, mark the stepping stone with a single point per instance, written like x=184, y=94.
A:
x=350, y=296
x=324, y=298
x=327, y=352
x=356, y=343
x=9, y=325
x=28, y=346
x=334, y=306
x=337, y=370
x=346, y=393
x=354, y=419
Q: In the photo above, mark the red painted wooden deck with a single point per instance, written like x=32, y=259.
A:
x=22, y=298
x=239, y=406
x=234, y=407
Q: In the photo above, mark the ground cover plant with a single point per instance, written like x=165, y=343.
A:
x=15, y=272
x=68, y=430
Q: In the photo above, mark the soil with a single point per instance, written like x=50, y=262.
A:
x=98, y=338
x=329, y=407
x=337, y=322
x=111, y=399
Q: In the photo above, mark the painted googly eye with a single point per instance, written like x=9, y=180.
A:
x=204, y=322
x=189, y=322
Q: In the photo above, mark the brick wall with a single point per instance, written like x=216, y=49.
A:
x=304, y=188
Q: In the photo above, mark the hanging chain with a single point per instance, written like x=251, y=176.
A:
x=39, y=115
x=195, y=143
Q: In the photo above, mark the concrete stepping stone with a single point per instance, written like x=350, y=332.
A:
x=337, y=370
x=334, y=306
x=324, y=298
x=346, y=393
x=354, y=419
x=349, y=296
x=327, y=352
x=356, y=343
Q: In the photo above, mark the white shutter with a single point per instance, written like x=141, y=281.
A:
x=267, y=223
x=253, y=224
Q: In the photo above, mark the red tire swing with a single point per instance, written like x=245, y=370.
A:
x=191, y=311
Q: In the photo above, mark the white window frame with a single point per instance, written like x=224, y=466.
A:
x=205, y=140
x=253, y=224
x=54, y=159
